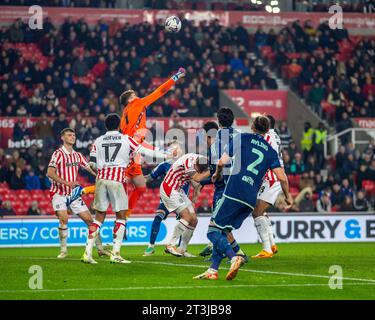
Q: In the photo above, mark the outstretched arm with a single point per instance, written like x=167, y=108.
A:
x=164, y=88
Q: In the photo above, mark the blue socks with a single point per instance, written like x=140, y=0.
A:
x=221, y=247
x=155, y=228
x=235, y=246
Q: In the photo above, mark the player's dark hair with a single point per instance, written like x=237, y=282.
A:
x=272, y=121
x=261, y=124
x=202, y=164
x=112, y=121
x=209, y=126
x=63, y=131
x=124, y=97
x=225, y=117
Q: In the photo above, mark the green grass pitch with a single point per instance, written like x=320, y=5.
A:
x=298, y=271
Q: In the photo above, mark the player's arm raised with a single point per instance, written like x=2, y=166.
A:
x=164, y=88
x=280, y=174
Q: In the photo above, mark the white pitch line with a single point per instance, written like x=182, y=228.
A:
x=221, y=268
x=188, y=287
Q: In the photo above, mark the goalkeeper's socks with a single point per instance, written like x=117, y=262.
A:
x=88, y=190
x=155, y=229
x=92, y=237
x=270, y=232
x=179, y=229
x=63, y=235
x=261, y=224
x=118, y=235
x=136, y=194
x=186, y=237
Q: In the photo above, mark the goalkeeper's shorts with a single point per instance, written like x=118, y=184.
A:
x=134, y=169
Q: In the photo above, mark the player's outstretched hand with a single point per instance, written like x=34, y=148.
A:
x=179, y=74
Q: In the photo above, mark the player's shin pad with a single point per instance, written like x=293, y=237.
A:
x=118, y=236
x=185, y=238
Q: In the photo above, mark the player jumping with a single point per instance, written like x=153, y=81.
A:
x=133, y=124
x=63, y=171
x=252, y=157
x=267, y=196
x=110, y=156
x=190, y=168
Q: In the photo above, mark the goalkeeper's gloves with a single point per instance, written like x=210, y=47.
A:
x=180, y=74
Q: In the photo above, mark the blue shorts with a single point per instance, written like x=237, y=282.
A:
x=230, y=214
x=217, y=196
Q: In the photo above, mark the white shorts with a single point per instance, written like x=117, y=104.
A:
x=269, y=193
x=59, y=204
x=110, y=192
x=176, y=201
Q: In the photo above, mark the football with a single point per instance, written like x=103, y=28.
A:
x=173, y=24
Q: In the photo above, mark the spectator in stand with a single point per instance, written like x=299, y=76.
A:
x=337, y=197
x=318, y=183
x=32, y=181
x=44, y=131
x=307, y=140
x=320, y=136
x=360, y=202
x=34, y=209
x=292, y=149
x=346, y=189
x=347, y=204
x=284, y=135
x=316, y=96
x=311, y=165
x=297, y=166
x=7, y=209
x=324, y=204
x=343, y=124
x=287, y=163
x=307, y=204
x=58, y=125
x=204, y=207
x=349, y=167
x=16, y=180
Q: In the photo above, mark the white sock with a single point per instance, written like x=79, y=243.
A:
x=151, y=245
x=185, y=238
x=261, y=224
x=118, y=236
x=178, y=230
x=93, y=238
x=63, y=236
x=270, y=232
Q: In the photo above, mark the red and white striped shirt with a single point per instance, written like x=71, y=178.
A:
x=274, y=140
x=111, y=152
x=180, y=173
x=67, y=165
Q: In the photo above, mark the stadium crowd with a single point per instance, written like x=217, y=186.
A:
x=80, y=72
x=332, y=70
x=83, y=70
